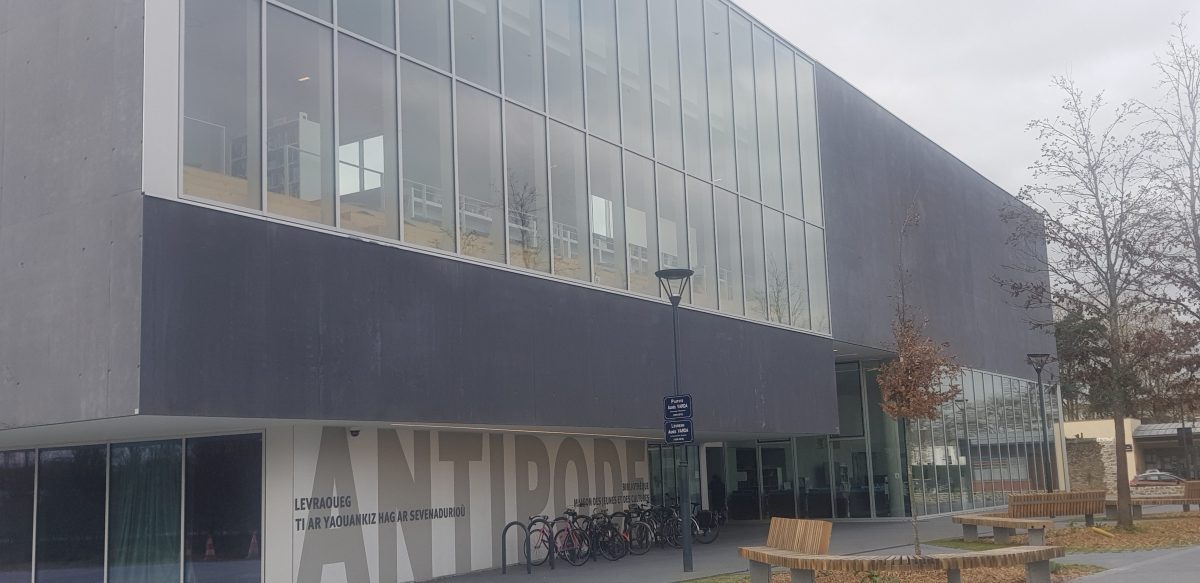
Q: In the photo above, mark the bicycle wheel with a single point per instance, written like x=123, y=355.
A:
x=641, y=536
x=539, y=546
x=571, y=546
x=671, y=531
x=610, y=543
x=705, y=531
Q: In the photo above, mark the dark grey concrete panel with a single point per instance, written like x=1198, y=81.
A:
x=248, y=318
x=70, y=209
x=874, y=167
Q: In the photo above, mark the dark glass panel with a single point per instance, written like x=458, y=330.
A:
x=143, y=512
x=16, y=508
x=223, y=510
x=70, y=521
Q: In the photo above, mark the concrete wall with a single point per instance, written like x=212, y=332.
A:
x=70, y=209
x=873, y=168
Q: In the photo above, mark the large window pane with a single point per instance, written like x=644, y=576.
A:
x=425, y=31
x=797, y=272
x=819, y=303
x=223, y=509
x=852, y=494
x=523, y=52
x=701, y=236
x=568, y=190
x=16, y=506
x=639, y=224
x=672, y=221
x=745, y=115
x=789, y=135
x=425, y=116
x=143, y=515
x=600, y=60
x=695, y=88
x=70, y=521
x=664, y=70
x=477, y=42
x=729, y=252
x=754, y=260
x=810, y=166
x=720, y=94
x=778, y=309
x=768, y=118
x=850, y=402
x=480, y=176
x=635, y=76
x=367, y=139
x=528, y=192
x=564, y=60
x=374, y=19
x=608, y=218
x=322, y=9
x=299, y=117
x=222, y=153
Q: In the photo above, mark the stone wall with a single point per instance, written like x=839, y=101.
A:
x=1093, y=466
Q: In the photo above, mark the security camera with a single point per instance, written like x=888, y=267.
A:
x=354, y=431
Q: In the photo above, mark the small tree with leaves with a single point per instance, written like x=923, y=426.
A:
x=912, y=385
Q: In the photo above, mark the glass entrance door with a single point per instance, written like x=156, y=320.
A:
x=778, y=480
x=742, y=469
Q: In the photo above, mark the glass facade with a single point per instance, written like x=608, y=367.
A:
x=504, y=130
x=173, y=510
x=980, y=448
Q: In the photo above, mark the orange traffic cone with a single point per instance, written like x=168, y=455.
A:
x=210, y=552
x=253, y=552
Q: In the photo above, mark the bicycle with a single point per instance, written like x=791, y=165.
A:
x=541, y=539
x=572, y=543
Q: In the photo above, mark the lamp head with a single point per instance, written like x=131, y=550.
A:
x=674, y=282
x=1038, y=360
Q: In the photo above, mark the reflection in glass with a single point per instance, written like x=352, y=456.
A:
x=143, y=512
x=568, y=191
x=608, y=218
x=812, y=478
x=797, y=272
x=16, y=506
x=778, y=479
x=70, y=515
x=528, y=195
x=720, y=94
x=744, y=489
x=789, y=133
x=480, y=176
x=849, y=398
x=425, y=31
x=635, y=76
x=322, y=9
x=778, y=303
x=729, y=252
x=221, y=146
x=367, y=139
x=600, y=68
x=299, y=117
x=664, y=71
x=701, y=236
x=523, y=52
x=672, y=220
x=428, y=157
x=639, y=224
x=851, y=480
x=694, y=84
x=754, y=260
x=887, y=452
x=819, y=304
x=564, y=61
x=374, y=19
x=768, y=118
x=223, y=510
x=809, y=153
x=744, y=105
x=477, y=42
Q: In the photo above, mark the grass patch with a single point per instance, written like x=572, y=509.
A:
x=1059, y=573
x=1158, y=531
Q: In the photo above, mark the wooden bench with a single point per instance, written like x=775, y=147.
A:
x=802, y=547
x=1191, y=495
x=1088, y=503
x=804, y=567
x=1003, y=527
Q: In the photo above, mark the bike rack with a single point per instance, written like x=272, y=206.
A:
x=504, y=548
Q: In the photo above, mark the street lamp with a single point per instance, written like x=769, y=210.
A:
x=1039, y=361
x=674, y=283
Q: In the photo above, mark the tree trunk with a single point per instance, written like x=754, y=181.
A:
x=1124, y=513
x=912, y=502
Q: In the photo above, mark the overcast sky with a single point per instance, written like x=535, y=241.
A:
x=971, y=74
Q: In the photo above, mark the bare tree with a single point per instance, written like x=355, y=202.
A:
x=1091, y=204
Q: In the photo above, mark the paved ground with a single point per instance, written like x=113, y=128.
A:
x=849, y=538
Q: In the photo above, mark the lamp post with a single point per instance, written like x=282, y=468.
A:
x=961, y=404
x=674, y=283
x=1039, y=361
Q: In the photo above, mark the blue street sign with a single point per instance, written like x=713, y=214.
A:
x=677, y=407
x=678, y=431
